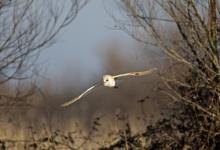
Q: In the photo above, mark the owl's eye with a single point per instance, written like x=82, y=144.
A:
x=106, y=79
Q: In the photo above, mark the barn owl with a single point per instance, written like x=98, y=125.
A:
x=108, y=81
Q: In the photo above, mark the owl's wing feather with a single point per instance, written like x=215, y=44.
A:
x=81, y=95
x=141, y=73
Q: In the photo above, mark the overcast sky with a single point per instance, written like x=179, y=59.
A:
x=75, y=48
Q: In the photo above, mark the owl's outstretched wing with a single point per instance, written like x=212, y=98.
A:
x=81, y=95
x=141, y=73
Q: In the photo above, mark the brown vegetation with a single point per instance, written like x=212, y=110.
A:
x=190, y=84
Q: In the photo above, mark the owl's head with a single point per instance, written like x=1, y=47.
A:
x=109, y=81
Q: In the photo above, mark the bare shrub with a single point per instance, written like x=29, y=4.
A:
x=26, y=27
x=195, y=121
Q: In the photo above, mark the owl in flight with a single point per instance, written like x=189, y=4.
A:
x=108, y=81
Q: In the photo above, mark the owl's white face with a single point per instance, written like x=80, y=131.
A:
x=109, y=81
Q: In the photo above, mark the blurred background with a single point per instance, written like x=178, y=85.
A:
x=82, y=53
x=87, y=49
x=51, y=51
